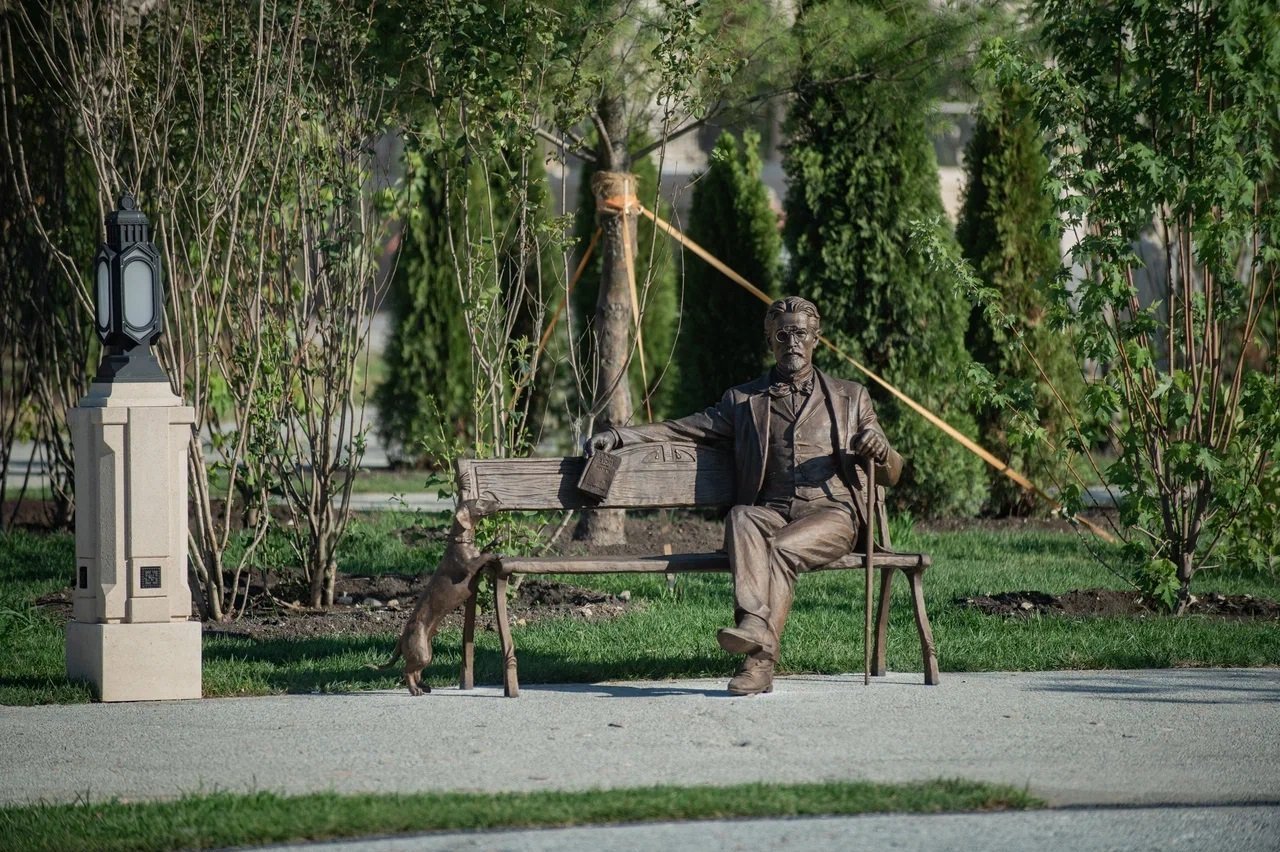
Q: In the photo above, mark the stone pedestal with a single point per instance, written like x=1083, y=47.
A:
x=136, y=662
x=130, y=637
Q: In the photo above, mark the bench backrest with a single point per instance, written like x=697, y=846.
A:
x=650, y=476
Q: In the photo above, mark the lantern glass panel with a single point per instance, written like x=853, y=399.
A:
x=104, y=294
x=139, y=301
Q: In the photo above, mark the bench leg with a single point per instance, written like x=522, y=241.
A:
x=467, y=678
x=882, y=622
x=916, y=578
x=510, y=680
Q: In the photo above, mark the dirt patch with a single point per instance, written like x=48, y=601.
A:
x=652, y=532
x=1110, y=602
x=32, y=516
x=380, y=605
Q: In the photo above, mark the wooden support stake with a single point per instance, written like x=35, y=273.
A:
x=628, y=257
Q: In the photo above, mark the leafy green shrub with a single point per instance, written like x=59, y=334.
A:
x=1164, y=125
x=1251, y=542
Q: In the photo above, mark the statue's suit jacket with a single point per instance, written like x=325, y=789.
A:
x=741, y=419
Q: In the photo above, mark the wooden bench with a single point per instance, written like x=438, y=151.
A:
x=650, y=476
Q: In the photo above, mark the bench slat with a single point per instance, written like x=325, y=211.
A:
x=649, y=476
x=680, y=563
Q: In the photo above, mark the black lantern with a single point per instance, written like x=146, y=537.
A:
x=129, y=297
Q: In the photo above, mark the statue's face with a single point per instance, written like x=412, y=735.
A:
x=793, y=340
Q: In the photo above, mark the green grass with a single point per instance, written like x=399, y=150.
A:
x=32, y=644
x=379, y=481
x=675, y=635
x=223, y=819
x=32, y=492
x=399, y=482
x=371, y=371
x=672, y=634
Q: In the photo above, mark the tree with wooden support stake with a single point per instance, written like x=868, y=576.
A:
x=1001, y=466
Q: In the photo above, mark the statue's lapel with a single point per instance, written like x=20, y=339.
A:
x=760, y=417
x=840, y=407
x=816, y=399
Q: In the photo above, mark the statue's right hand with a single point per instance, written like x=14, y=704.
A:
x=600, y=442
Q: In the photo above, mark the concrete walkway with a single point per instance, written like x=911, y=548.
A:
x=1187, y=737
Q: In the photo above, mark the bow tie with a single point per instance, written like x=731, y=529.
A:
x=781, y=389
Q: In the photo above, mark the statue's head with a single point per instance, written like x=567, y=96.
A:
x=792, y=326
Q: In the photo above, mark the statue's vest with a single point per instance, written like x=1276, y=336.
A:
x=801, y=462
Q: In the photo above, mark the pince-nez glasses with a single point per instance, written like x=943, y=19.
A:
x=799, y=335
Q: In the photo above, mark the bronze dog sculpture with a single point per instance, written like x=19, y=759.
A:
x=448, y=588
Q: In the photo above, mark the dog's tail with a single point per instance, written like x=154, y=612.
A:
x=395, y=655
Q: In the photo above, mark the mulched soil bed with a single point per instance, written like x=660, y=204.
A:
x=31, y=515
x=1109, y=602
x=379, y=605
x=650, y=532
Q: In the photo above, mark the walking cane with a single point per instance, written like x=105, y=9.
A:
x=870, y=543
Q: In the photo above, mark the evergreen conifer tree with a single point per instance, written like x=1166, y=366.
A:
x=1009, y=233
x=428, y=359
x=731, y=218
x=862, y=172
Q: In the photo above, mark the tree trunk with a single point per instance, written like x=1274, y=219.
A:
x=330, y=581
x=207, y=589
x=204, y=557
x=319, y=559
x=1186, y=570
x=613, y=324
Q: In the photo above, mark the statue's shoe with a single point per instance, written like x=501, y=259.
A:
x=754, y=676
x=751, y=636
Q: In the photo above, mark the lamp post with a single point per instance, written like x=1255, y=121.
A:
x=129, y=298
x=131, y=636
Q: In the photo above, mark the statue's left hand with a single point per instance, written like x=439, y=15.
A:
x=600, y=442
x=871, y=443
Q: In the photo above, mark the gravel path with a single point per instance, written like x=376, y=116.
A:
x=1202, y=736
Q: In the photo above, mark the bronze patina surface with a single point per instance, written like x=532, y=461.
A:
x=796, y=435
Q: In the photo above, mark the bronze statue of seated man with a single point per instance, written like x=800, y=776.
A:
x=796, y=434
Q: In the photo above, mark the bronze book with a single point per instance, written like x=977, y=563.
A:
x=597, y=476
